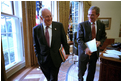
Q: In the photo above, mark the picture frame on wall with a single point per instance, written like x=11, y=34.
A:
x=107, y=22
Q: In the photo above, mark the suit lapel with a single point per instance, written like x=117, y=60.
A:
x=89, y=26
x=42, y=30
x=89, y=30
x=43, y=35
x=53, y=32
x=98, y=29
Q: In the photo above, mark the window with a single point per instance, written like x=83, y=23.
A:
x=46, y=5
x=10, y=35
x=75, y=14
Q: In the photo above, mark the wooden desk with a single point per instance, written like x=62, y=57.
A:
x=110, y=69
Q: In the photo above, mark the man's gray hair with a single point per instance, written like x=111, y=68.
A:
x=96, y=8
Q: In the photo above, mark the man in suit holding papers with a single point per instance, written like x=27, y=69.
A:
x=85, y=34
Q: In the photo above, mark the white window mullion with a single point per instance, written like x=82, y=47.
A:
x=8, y=50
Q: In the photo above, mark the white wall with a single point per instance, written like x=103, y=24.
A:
x=111, y=9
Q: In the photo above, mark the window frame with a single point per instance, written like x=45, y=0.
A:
x=18, y=65
x=18, y=28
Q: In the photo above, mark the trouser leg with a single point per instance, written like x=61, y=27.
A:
x=54, y=73
x=91, y=68
x=50, y=71
x=82, y=65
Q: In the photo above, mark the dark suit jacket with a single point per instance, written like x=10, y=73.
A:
x=84, y=35
x=42, y=50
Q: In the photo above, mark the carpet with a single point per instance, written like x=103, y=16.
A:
x=35, y=73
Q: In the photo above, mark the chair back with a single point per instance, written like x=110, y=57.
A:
x=75, y=44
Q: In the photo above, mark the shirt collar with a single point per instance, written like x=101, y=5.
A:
x=46, y=26
x=94, y=22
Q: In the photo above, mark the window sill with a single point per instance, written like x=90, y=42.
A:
x=15, y=68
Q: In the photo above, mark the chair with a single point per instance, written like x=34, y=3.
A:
x=70, y=34
x=107, y=42
x=75, y=45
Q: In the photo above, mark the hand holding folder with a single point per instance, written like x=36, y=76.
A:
x=63, y=54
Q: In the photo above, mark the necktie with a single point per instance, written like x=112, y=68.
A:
x=93, y=31
x=47, y=35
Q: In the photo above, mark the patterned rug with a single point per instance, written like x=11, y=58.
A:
x=68, y=72
x=35, y=74
x=73, y=72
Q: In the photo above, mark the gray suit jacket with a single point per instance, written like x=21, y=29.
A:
x=84, y=35
x=42, y=50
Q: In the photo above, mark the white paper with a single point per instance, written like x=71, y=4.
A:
x=113, y=52
x=110, y=55
x=92, y=45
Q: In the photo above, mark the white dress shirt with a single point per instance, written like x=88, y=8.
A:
x=50, y=32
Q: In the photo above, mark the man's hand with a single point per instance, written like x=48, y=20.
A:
x=88, y=52
x=67, y=56
x=98, y=43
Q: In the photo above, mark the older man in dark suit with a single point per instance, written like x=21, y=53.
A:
x=86, y=33
x=48, y=37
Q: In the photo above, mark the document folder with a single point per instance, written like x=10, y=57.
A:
x=62, y=53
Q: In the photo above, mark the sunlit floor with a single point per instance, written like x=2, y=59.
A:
x=68, y=72
x=73, y=72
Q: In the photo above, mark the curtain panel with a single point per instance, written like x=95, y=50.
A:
x=86, y=5
x=63, y=11
x=29, y=21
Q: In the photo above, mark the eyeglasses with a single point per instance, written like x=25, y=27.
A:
x=48, y=16
x=92, y=15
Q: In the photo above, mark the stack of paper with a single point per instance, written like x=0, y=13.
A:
x=112, y=53
x=92, y=45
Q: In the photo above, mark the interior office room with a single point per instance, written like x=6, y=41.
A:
x=18, y=59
